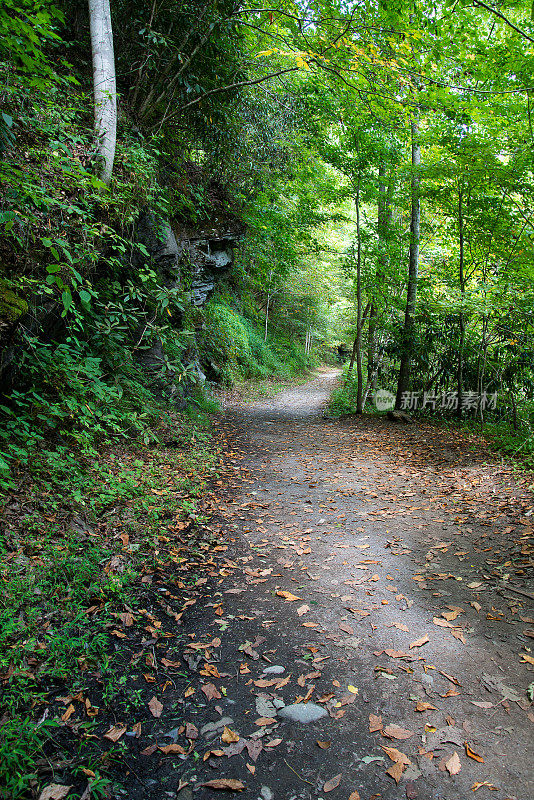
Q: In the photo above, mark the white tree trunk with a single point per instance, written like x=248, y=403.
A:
x=105, y=90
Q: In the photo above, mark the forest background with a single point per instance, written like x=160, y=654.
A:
x=376, y=159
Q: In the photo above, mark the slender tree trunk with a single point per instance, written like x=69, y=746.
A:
x=408, y=336
x=105, y=90
x=267, y=315
x=461, y=346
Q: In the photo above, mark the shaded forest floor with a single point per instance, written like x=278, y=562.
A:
x=357, y=569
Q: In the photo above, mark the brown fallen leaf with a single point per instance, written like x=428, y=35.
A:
x=68, y=714
x=420, y=642
x=453, y=765
x=225, y=784
x=115, y=733
x=354, y=796
x=399, y=625
x=472, y=754
x=396, y=770
x=396, y=732
x=288, y=596
x=263, y=721
x=302, y=610
x=333, y=783
x=273, y=743
x=54, y=791
x=149, y=750
x=228, y=736
x=346, y=628
x=211, y=691
x=188, y=692
x=324, y=745
x=487, y=784
x=155, y=707
x=396, y=755
x=375, y=723
x=191, y=731
x=169, y=749
x=422, y=705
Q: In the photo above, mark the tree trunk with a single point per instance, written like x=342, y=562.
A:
x=408, y=336
x=105, y=90
x=461, y=346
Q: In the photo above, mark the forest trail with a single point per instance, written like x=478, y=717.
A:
x=365, y=560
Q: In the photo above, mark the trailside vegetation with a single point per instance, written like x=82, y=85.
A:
x=368, y=167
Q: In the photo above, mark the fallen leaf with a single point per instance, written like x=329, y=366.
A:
x=346, y=628
x=115, y=733
x=473, y=755
x=263, y=721
x=396, y=770
x=422, y=705
x=487, y=784
x=188, y=692
x=375, y=723
x=396, y=755
x=273, y=743
x=225, y=784
x=155, y=707
x=396, y=732
x=228, y=736
x=354, y=796
x=54, y=791
x=333, y=783
x=453, y=765
x=302, y=610
x=420, y=642
x=169, y=749
x=211, y=691
x=324, y=745
x=288, y=596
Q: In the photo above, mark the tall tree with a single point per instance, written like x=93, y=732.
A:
x=104, y=83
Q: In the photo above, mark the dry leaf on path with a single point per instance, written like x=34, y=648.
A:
x=211, y=691
x=55, y=791
x=420, y=642
x=155, y=707
x=302, y=610
x=169, y=749
x=324, y=745
x=225, y=784
x=288, y=596
x=228, y=736
x=333, y=783
x=472, y=754
x=354, y=796
x=375, y=723
x=396, y=770
x=422, y=705
x=115, y=733
x=396, y=732
x=453, y=765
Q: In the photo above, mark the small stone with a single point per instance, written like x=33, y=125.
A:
x=266, y=793
x=275, y=669
x=303, y=712
x=265, y=707
x=211, y=729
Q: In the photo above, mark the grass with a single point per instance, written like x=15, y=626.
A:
x=77, y=536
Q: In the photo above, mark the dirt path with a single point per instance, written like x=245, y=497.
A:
x=365, y=564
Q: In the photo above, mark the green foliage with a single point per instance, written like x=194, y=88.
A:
x=238, y=349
